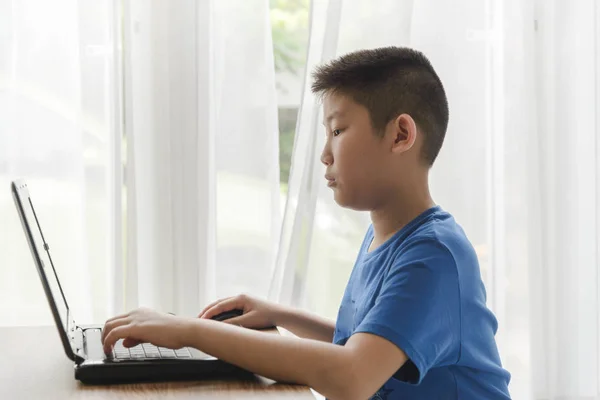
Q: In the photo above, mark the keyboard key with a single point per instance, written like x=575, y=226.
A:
x=151, y=350
x=166, y=352
x=183, y=353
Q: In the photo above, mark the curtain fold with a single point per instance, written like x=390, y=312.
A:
x=56, y=108
x=203, y=206
x=565, y=358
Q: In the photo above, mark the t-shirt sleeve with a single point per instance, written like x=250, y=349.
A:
x=418, y=307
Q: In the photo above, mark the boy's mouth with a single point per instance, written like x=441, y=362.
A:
x=330, y=180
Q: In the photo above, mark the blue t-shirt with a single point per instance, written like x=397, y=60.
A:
x=422, y=291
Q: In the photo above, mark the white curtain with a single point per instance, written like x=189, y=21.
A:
x=519, y=170
x=148, y=133
x=57, y=92
x=203, y=179
x=182, y=95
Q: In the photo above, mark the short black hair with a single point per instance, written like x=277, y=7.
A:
x=390, y=81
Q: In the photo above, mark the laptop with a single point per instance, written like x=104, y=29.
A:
x=82, y=344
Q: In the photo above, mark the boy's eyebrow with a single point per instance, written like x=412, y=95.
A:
x=332, y=116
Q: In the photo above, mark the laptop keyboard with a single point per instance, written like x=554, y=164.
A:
x=147, y=350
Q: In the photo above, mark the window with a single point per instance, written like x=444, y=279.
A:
x=289, y=21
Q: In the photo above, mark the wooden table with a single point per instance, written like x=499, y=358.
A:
x=33, y=366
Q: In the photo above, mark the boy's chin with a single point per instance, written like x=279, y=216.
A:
x=339, y=198
x=346, y=202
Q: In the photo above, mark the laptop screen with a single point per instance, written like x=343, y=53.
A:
x=43, y=253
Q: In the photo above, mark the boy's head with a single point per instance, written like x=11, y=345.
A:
x=386, y=114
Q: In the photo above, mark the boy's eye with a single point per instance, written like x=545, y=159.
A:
x=336, y=132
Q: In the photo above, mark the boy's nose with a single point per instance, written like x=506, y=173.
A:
x=326, y=157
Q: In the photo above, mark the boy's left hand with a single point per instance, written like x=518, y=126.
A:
x=145, y=326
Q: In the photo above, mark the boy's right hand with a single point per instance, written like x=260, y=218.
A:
x=257, y=313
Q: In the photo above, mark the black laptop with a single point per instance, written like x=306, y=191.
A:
x=82, y=344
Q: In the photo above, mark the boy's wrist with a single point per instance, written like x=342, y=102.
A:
x=280, y=314
x=187, y=329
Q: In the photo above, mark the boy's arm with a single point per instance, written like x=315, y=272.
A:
x=259, y=313
x=305, y=324
x=353, y=371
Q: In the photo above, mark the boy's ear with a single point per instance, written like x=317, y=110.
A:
x=404, y=133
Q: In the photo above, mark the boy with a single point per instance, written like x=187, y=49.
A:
x=413, y=323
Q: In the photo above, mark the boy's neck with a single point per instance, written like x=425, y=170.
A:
x=396, y=213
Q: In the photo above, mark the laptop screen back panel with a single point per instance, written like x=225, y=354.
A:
x=45, y=267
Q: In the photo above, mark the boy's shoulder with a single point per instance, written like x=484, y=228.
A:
x=438, y=233
x=440, y=227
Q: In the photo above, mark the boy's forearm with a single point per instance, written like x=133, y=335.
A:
x=304, y=361
x=305, y=324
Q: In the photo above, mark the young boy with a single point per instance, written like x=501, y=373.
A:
x=413, y=323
